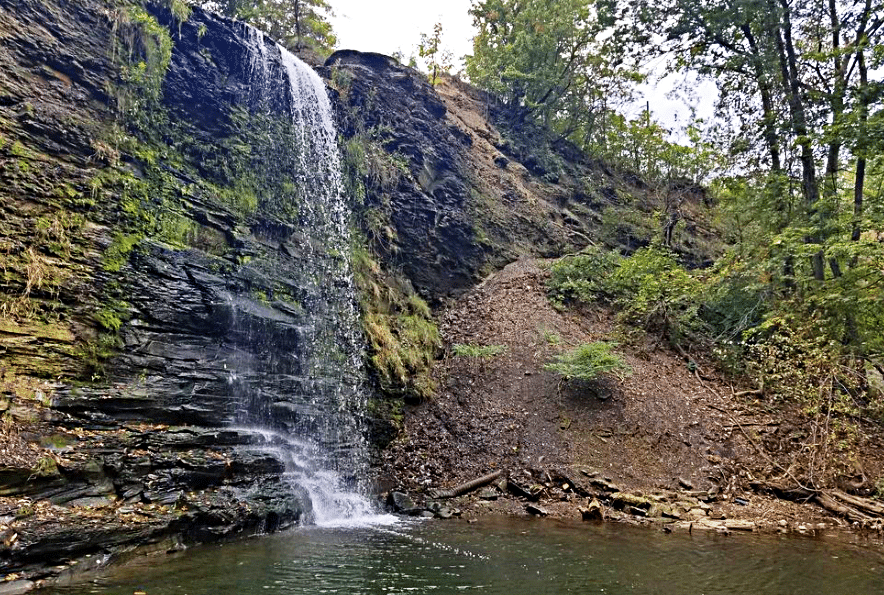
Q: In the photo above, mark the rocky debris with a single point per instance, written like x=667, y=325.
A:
x=531, y=492
x=594, y=512
x=488, y=494
x=590, y=502
x=442, y=511
x=402, y=503
x=535, y=510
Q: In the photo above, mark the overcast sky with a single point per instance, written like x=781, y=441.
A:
x=388, y=26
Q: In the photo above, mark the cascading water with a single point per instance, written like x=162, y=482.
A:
x=320, y=438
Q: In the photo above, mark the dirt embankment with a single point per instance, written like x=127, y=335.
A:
x=661, y=446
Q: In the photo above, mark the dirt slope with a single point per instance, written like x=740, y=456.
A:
x=658, y=428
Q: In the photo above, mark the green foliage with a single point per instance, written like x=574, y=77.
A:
x=643, y=146
x=650, y=289
x=879, y=489
x=96, y=352
x=111, y=315
x=403, y=338
x=657, y=293
x=477, y=351
x=45, y=467
x=589, y=361
x=142, y=48
x=551, y=337
x=180, y=10
x=583, y=277
x=548, y=58
x=371, y=172
x=296, y=24
x=430, y=49
x=108, y=320
x=341, y=80
x=118, y=252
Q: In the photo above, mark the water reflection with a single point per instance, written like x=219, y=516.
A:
x=506, y=556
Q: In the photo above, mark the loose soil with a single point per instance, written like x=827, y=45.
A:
x=661, y=430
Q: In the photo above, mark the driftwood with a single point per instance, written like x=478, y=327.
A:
x=852, y=508
x=466, y=487
x=850, y=513
x=793, y=493
x=864, y=504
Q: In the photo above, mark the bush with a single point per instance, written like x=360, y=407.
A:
x=588, y=361
x=650, y=288
x=583, y=277
x=658, y=294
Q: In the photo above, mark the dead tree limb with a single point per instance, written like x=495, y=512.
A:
x=863, y=504
x=466, y=487
x=849, y=512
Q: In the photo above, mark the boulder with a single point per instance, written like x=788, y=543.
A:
x=535, y=510
x=401, y=502
x=593, y=512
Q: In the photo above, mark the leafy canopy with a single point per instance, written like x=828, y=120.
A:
x=548, y=58
x=296, y=24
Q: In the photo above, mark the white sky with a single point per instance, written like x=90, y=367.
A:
x=387, y=26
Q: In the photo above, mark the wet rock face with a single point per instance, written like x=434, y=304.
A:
x=174, y=334
x=435, y=240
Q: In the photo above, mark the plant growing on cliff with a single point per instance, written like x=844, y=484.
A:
x=142, y=48
x=437, y=60
x=402, y=337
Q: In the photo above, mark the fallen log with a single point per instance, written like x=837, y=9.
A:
x=466, y=487
x=849, y=512
x=793, y=493
x=863, y=504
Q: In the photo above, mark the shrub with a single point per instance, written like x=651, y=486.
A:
x=650, y=288
x=658, y=294
x=588, y=361
x=583, y=277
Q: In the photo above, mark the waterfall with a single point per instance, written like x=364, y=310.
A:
x=320, y=439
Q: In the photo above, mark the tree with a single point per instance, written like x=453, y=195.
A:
x=296, y=24
x=430, y=49
x=549, y=60
x=795, y=82
x=805, y=65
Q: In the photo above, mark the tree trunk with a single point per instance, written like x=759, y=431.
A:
x=792, y=86
x=297, y=9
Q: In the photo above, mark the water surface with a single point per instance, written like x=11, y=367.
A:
x=506, y=556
